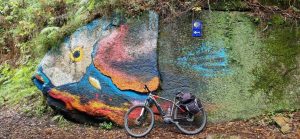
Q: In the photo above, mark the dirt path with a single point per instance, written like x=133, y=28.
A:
x=15, y=125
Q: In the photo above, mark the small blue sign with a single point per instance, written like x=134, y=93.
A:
x=197, y=28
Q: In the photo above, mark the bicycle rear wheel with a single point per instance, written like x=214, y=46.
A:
x=139, y=121
x=189, y=123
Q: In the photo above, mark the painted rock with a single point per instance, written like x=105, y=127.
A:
x=101, y=69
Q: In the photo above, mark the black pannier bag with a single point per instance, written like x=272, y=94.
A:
x=190, y=102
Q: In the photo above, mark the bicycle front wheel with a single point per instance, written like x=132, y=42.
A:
x=139, y=121
x=189, y=123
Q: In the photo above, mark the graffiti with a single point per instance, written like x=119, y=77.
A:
x=101, y=69
x=207, y=60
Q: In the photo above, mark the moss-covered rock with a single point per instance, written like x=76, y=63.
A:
x=253, y=71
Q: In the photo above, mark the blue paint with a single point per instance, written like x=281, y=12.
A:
x=76, y=35
x=92, y=25
x=108, y=88
x=207, y=61
x=83, y=88
x=43, y=86
x=153, y=21
x=76, y=54
x=67, y=42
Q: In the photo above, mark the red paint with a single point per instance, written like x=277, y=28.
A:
x=113, y=50
x=92, y=107
x=38, y=77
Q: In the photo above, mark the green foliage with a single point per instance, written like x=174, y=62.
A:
x=106, y=125
x=229, y=5
x=34, y=27
x=15, y=84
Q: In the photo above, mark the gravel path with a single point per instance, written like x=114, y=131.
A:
x=15, y=125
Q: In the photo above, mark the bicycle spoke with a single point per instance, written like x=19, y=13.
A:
x=139, y=121
x=189, y=123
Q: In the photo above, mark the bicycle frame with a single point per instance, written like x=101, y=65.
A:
x=152, y=100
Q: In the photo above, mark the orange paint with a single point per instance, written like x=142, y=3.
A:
x=134, y=83
x=113, y=50
x=93, y=107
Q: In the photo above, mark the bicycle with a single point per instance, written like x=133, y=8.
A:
x=141, y=115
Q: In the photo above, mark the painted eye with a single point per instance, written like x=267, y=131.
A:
x=76, y=54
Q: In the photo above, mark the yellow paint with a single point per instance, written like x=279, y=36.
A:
x=93, y=107
x=95, y=83
x=76, y=59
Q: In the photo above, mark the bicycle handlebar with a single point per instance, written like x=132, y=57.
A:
x=146, y=88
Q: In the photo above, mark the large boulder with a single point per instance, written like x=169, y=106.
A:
x=101, y=69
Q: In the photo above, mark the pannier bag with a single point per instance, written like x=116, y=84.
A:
x=194, y=106
x=189, y=102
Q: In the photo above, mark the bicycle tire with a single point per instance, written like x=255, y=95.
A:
x=132, y=118
x=199, y=125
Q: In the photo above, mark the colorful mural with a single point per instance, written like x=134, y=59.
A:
x=101, y=69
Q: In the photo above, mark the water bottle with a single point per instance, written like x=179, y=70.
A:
x=167, y=118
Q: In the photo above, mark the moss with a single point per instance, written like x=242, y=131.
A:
x=282, y=47
x=277, y=19
x=231, y=93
